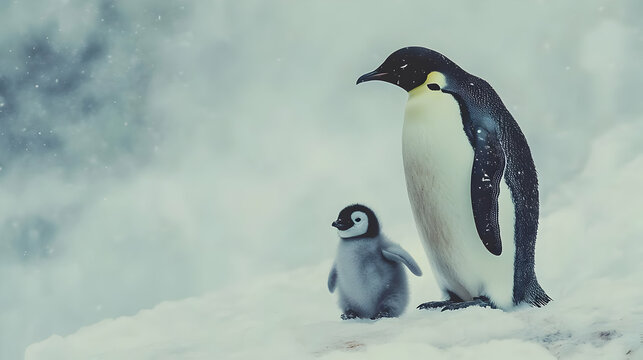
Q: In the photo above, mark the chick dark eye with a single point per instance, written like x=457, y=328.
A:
x=433, y=86
x=358, y=220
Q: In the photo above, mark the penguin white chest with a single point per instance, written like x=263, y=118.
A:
x=438, y=159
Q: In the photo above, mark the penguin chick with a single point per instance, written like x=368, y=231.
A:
x=368, y=269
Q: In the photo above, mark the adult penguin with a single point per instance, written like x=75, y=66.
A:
x=471, y=181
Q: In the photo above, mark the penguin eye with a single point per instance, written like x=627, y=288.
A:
x=358, y=220
x=433, y=86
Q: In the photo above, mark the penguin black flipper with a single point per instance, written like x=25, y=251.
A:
x=481, y=123
x=482, y=108
x=332, y=279
x=486, y=174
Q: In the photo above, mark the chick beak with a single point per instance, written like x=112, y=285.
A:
x=340, y=225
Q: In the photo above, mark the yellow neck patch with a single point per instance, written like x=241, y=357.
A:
x=434, y=77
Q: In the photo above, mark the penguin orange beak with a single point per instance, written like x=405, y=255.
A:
x=373, y=75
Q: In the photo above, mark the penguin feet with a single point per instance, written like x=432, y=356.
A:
x=481, y=301
x=382, y=314
x=349, y=314
x=435, y=304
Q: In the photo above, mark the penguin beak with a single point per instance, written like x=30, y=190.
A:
x=339, y=224
x=373, y=75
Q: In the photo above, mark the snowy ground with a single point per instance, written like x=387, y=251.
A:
x=588, y=259
x=291, y=316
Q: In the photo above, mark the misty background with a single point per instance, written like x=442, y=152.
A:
x=153, y=151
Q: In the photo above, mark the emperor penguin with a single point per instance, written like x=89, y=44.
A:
x=368, y=269
x=471, y=181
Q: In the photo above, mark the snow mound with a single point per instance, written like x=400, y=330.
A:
x=291, y=316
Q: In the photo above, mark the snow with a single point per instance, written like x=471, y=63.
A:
x=291, y=316
x=592, y=272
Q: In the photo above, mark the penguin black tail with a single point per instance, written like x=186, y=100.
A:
x=536, y=296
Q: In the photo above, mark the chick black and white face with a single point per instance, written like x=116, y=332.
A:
x=356, y=221
x=355, y=225
x=409, y=67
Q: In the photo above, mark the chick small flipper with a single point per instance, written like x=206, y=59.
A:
x=395, y=253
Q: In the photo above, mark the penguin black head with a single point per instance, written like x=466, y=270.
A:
x=409, y=67
x=357, y=221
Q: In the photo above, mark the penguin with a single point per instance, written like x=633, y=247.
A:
x=471, y=182
x=368, y=269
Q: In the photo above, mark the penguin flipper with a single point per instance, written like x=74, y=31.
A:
x=395, y=253
x=486, y=174
x=332, y=279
